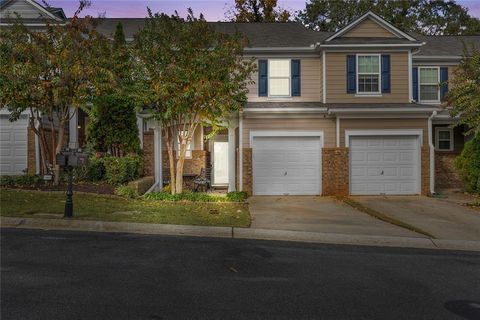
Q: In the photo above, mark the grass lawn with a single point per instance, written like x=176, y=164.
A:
x=26, y=203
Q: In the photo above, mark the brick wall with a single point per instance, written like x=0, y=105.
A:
x=446, y=175
x=425, y=159
x=247, y=171
x=148, y=156
x=335, y=173
x=31, y=155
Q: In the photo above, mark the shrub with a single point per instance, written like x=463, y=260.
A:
x=237, y=196
x=23, y=180
x=468, y=165
x=95, y=169
x=126, y=192
x=120, y=170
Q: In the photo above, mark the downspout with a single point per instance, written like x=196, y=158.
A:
x=240, y=150
x=338, y=131
x=432, y=153
x=37, y=149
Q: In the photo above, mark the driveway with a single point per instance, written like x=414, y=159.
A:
x=444, y=219
x=317, y=214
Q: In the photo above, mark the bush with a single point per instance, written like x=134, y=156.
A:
x=120, y=170
x=468, y=165
x=95, y=169
x=126, y=192
x=23, y=180
x=237, y=196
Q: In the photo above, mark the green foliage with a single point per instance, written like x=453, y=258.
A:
x=464, y=92
x=23, y=180
x=196, y=196
x=126, y=192
x=237, y=196
x=429, y=17
x=468, y=164
x=113, y=127
x=120, y=170
x=257, y=11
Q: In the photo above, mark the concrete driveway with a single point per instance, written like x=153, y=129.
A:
x=317, y=214
x=442, y=218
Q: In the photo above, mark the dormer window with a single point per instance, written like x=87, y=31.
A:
x=368, y=74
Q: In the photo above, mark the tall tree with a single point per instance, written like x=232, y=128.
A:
x=464, y=91
x=45, y=73
x=116, y=104
x=429, y=17
x=190, y=74
x=257, y=11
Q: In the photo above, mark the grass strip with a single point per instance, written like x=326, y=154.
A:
x=383, y=217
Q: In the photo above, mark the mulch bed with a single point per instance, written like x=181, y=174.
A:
x=80, y=187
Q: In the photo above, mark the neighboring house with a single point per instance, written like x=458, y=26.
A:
x=356, y=112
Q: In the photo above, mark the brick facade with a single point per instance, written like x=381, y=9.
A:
x=148, y=154
x=425, y=167
x=335, y=173
x=446, y=175
x=247, y=171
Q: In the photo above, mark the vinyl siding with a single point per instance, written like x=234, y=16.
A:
x=368, y=28
x=301, y=124
x=24, y=9
x=370, y=124
x=336, y=75
x=310, y=79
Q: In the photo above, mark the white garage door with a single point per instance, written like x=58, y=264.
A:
x=13, y=146
x=286, y=165
x=384, y=165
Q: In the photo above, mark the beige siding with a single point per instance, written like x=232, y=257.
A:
x=336, y=76
x=366, y=124
x=304, y=124
x=367, y=29
x=24, y=9
x=310, y=82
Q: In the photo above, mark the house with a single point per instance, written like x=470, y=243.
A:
x=355, y=112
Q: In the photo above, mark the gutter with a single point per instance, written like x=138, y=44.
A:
x=432, y=153
x=374, y=110
x=285, y=110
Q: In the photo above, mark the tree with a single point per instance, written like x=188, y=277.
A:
x=47, y=72
x=257, y=11
x=116, y=105
x=429, y=17
x=189, y=75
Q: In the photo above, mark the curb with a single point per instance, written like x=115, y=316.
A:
x=237, y=233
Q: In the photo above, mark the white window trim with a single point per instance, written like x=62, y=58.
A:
x=192, y=145
x=373, y=93
x=437, y=138
x=289, y=79
x=437, y=84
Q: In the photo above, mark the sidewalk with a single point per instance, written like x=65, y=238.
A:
x=237, y=233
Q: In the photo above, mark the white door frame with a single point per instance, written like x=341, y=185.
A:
x=286, y=133
x=387, y=132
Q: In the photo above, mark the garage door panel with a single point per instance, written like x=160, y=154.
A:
x=384, y=165
x=13, y=149
x=286, y=165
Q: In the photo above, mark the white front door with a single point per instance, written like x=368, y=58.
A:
x=387, y=165
x=286, y=165
x=13, y=146
x=220, y=163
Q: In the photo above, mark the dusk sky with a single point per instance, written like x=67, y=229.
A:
x=214, y=10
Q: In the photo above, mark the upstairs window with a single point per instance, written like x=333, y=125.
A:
x=279, y=78
x=368, y=74
x=428, y=82
x=444, y=139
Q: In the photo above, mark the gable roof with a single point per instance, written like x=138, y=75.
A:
x=54, y=14
x=382, y=22
x=446, y=45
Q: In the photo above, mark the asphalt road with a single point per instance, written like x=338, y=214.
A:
x=76, y=275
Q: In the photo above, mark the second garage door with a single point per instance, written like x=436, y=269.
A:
x=286, y=165
x=384, y=165
x=13, y=145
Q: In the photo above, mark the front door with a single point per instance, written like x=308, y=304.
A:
x=220, y=163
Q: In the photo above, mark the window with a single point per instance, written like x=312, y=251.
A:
x=368, y=74
x=279, y=78
x=444, y=138
x=429, y=88
x=188, y=153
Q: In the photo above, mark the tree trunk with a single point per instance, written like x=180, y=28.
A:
x=180, y=163
x=168, y=134
x=58, y=149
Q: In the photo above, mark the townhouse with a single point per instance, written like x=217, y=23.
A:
x=359, y=111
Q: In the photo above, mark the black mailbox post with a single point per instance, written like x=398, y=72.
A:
x=68, y=159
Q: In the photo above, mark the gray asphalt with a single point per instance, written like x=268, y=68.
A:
x=79, y=275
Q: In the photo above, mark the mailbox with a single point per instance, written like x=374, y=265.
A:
x=71, y=159
x=61, y=159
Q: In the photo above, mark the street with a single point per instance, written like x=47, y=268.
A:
x=79, y=275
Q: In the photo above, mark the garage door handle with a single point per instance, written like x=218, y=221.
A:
x=382, y=173
x=285, y=173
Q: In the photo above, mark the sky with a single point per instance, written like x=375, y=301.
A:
x=214, y=10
